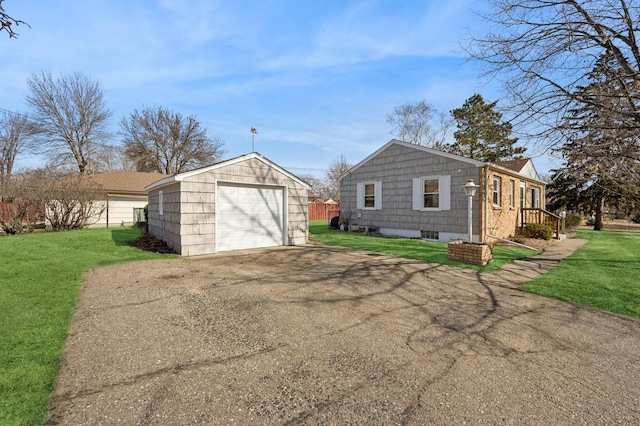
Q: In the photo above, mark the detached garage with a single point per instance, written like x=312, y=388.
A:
x=246, y=202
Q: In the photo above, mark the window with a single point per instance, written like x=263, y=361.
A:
x=429, y=235
x=369, y=195
x=522, y=196
x=535, y=197
x=432, y=193
x=160, y=203
x=497, y=191
x=512, y=193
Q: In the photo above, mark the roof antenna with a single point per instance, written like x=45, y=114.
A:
x=254, y=132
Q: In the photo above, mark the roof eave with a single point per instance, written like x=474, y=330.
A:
x=182, y=176
x=416, y=147
x=513, y=172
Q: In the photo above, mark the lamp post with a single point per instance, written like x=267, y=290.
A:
x=563, y=215
x=470, y=190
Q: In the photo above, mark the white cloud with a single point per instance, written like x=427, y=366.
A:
x=317, y=78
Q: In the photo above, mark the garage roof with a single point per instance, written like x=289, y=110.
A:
x=179, y=177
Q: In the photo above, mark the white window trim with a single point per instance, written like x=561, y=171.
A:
x=160, y=203
x=377, y=195
x=512, y=193
x=535, y=197
x=522, y=202
x=498, y=191
x=444, y=193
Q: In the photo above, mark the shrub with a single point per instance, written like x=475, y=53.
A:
x=21, y=210
x=635, y=218
x=335, y=223
x=538, y=230
x=20, y=215
x=572, y=220
x=73, y=201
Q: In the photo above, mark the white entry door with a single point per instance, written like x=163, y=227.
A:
x=249, y=217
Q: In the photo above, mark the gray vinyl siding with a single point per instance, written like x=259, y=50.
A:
x=396, y=167
x=189, y=221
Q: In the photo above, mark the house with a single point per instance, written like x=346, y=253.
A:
x=412, y=191
x=244, y=202
x=315, y=198
x=126, y=196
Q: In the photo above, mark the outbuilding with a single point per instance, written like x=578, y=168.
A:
x=241, y=203
x=125, y=197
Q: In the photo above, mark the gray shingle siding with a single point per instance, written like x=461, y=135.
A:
x=167, y=225
x=396, y=166
x=188, y=223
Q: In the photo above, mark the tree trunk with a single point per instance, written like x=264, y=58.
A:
x=597, y=226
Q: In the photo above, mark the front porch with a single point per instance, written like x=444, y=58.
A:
x=541, y=216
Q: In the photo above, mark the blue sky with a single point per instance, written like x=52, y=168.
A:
x=316, y=78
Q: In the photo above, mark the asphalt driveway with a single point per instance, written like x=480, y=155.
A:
x=320, y=335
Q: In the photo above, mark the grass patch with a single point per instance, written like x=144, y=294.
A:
x=603, y=273
x=409, y=248
x=39, y=285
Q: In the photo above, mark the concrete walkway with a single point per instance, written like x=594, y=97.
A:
x=519, y=272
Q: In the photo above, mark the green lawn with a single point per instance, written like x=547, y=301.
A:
x=409, y=248
x=39, y=284
x=604, y=273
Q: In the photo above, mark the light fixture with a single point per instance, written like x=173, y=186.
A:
x=470, y=190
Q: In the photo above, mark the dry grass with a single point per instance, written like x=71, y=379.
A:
x=616, y=225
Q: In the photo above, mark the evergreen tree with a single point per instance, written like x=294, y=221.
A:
x=601, y=155
x=481, y=134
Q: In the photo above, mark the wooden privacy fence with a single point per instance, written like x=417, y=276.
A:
x=321, y=211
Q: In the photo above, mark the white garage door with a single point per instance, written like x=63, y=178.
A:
x=249, y=217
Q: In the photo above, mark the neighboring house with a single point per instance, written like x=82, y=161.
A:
x=314, y=198
x=125, y=196
x=245, y=202
x=411, y=191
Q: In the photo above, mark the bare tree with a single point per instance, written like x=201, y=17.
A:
x=108, y=158
x=69, y=115
x=15, y=132
x=420, y=123
x=602, y=156
x=160, y=140
x=7, y=22
x=542, y=51
x=316, y=185
x=332, y=185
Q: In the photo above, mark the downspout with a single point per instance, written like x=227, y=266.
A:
x=486, y=215
x=107, y=210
